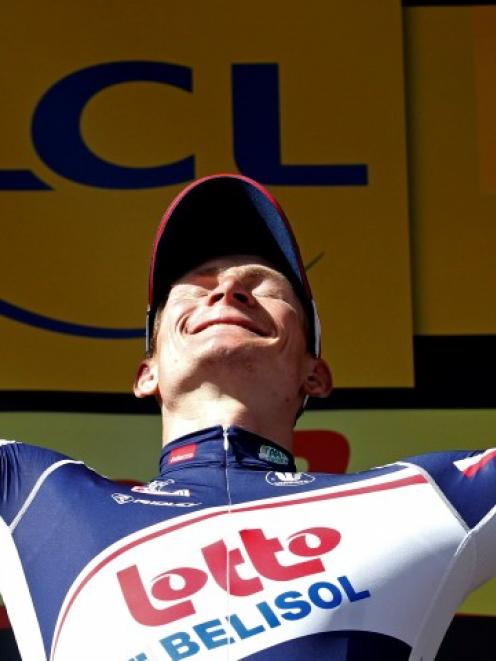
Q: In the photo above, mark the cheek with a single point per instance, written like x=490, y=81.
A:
x=291, y=329
x=173, y=320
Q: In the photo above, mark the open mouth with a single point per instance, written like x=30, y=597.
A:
x=227, y=321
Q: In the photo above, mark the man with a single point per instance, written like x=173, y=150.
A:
x=230, y=553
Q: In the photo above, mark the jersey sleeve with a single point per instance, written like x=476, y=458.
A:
x=468, y=481
x=22, y=466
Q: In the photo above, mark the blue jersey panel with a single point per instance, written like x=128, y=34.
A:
x=467, y=479
x=20, y=468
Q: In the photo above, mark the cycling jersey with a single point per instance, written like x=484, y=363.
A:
x=231, y=554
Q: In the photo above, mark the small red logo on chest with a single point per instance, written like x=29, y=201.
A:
x=182, y=454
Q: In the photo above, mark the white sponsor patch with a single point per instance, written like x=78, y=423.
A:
x=275, y=456
x=277, y=479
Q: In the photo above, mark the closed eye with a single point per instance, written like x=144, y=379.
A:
x=270, y=292
x=185, y=292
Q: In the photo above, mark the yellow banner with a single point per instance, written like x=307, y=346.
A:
x=109, y=110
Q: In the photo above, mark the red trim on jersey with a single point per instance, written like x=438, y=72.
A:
x=479, y=465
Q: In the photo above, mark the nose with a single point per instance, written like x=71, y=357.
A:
x=233, y=291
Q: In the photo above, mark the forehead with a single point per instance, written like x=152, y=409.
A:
x=247, y=265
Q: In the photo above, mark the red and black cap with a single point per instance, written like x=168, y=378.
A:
x=225, y=214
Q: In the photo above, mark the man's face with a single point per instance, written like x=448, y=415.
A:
x=233, y=312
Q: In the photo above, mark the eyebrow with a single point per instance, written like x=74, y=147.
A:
x=206, y=271
x=255, y=270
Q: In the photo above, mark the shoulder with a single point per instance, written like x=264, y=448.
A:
x=24, y=456
x=22, y=468
x=467, y=478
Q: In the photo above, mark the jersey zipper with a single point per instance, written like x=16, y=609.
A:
x=227, y=445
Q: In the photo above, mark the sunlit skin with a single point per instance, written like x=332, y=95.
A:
x=231, y=349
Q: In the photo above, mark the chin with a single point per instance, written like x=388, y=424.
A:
x=232, y=349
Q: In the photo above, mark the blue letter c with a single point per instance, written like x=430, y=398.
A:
x=57, y=135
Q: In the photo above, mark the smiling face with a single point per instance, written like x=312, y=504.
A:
x=234, y=321
x=233, y=302
x=233, y=309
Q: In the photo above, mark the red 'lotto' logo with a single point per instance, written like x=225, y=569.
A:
x=260, y=562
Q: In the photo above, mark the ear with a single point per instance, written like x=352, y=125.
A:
x=318, y=381
x=146, y=381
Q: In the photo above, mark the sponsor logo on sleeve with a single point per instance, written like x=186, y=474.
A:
x=277, y=479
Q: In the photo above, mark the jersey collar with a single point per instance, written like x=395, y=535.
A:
x=225, y=446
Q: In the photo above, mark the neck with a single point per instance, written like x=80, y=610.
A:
x=207, y=407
